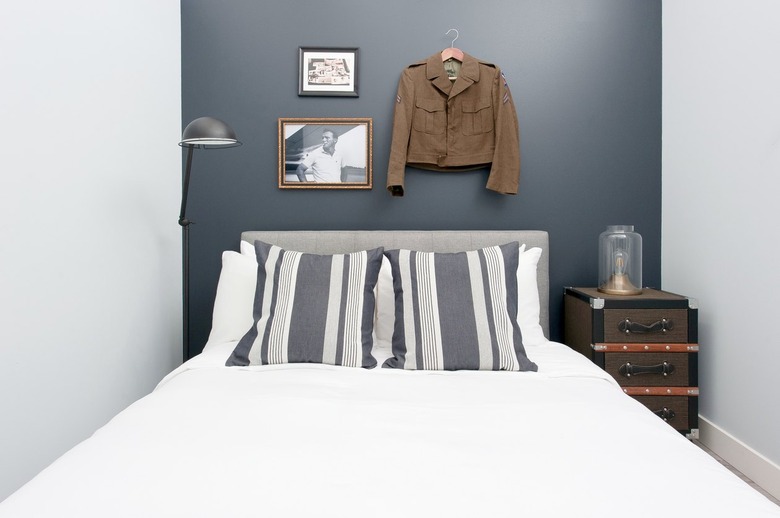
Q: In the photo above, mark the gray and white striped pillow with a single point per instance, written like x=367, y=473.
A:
x=311, y=308
x=457, y=311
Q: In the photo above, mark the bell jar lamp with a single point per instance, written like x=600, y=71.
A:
x=620, y=261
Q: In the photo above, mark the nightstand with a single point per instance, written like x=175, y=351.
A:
x=647, y=342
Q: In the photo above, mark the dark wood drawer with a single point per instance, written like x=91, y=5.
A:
x=646, y=325
x=649, y=369
x=675, y=410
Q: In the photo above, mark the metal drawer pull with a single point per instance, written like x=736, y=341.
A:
x=628, y=327
x=628, y=369
x=665, y=413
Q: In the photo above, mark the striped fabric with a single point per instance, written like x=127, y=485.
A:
x=456, y=311
x=311, y=309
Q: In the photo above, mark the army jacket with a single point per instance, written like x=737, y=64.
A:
x=459, y=125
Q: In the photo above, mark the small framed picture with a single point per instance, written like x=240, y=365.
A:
x=330, y=153
x=328, y=71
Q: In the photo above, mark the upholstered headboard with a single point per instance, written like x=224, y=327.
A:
x=343, y=241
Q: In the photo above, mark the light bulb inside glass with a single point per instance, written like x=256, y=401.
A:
x=621, y=258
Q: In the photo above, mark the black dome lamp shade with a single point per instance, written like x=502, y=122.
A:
x=207, y=133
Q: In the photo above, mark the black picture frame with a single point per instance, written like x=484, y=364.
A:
x=328, y=71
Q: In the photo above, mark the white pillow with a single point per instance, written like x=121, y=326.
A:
x=384, y=320
x=235, y=297
x=248, y=249
x=528, y=297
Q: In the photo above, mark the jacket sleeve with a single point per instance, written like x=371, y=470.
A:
x=505, y=170
x=402, y=124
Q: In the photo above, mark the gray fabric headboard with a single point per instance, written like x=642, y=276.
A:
x=343, y=241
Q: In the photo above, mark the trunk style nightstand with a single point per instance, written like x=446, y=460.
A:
x=647, y=342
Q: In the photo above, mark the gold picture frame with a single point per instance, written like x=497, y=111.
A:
x=325, y=153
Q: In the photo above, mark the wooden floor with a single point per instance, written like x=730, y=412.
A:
x=738, y=473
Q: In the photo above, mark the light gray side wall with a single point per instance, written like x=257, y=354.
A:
x=721, y=161
x=90, y=290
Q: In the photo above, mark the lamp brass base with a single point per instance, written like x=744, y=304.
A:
x=620, y=285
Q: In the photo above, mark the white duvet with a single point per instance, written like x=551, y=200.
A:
x=314, y=440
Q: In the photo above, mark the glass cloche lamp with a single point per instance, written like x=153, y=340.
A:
x=620, y=261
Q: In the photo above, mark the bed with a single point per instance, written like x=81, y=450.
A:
x=227, y=435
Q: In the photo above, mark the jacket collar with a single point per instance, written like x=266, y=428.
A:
x=469, y=74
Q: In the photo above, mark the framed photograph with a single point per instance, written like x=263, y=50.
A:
x=333, y=153
x=328, y=71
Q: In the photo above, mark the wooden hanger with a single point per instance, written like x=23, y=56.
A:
x=452, y=52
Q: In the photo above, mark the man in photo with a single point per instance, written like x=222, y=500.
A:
x=325, y=163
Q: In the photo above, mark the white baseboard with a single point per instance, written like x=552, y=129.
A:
x=752, y=464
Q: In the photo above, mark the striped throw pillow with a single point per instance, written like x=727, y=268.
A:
x=311, y=308
x=457, y=311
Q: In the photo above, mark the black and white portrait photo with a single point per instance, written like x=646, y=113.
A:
x=325, y=153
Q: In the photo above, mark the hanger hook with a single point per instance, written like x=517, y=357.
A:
x=457, y=34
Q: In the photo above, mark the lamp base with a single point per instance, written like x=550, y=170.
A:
x=620, y=285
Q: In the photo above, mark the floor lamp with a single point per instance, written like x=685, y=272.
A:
x=202, y=133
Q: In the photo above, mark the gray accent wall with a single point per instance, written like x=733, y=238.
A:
x=585, y=77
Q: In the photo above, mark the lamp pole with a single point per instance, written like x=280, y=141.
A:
x=185, y=254
x=204, y=133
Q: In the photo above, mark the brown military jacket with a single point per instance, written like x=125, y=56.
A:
x=455, y=126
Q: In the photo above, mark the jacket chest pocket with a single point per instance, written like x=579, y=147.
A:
x=429, y=116
x=477, y=116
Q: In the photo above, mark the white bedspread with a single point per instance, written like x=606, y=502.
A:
x=313, y=440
